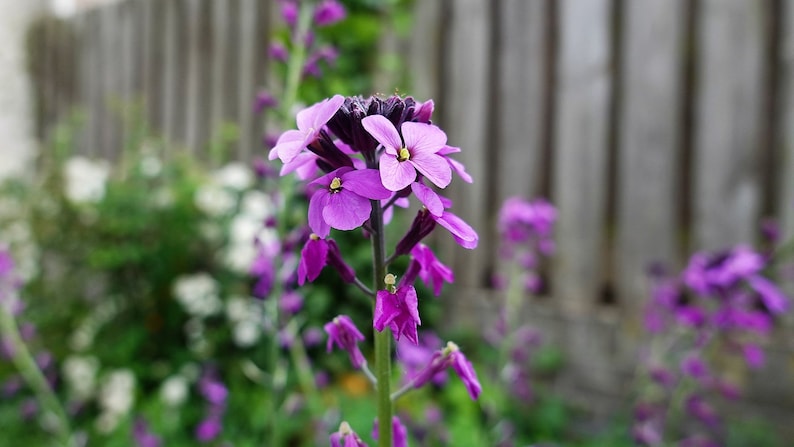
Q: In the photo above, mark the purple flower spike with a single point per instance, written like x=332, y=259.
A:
x=772, y=297
x=401, y=161
x=344, y=200
x=398, y=309
x=208, y=429
x=143, y=437
x=432, y=272
x=346, y=437
x=343, y=333
x=310, y=122
x=399, y=433
x=329, y=12
x=313, y=256
x=451, y=356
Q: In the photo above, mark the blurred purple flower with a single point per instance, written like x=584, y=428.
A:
x=209, y=429
x=346, y=437
x=329, y=12
x=398, y=309
x=343, y=333
x=142, y=436
x=444, y=358
x=398, y=432
x=432, y=271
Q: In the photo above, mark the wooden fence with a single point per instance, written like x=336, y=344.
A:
x=657, y=127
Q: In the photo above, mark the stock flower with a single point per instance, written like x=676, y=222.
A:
x=346, y=437
x=343, y=333
x=401, y=161
x=343, y=202
x=329, y=12
x=398, y=309
x=444, y=358
x=310, y=122
x=432, y=271
x=316, y=254
x=399, y=433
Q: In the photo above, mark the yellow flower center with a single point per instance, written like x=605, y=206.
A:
x=403, y=155
x=336, y=184
x=390, y=279
x=450, y=348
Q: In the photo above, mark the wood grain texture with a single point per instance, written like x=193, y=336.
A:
x=649, y=139
x=726, y=160
x=786, y=129
x=580, y=162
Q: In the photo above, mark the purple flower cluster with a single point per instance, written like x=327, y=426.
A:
x=215, y=394
x=361, y=157
x=720, y=304
x=526, y=229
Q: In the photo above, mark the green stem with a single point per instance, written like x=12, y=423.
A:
x=35, y=379
x=382, y=339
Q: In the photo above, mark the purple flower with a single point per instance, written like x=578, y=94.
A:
x=454, y=164
x=316, y=254
x=702, y=410
x=213, y=391
x=451, y=356
x=278, y=51
x=310, y=122
x=289, y=12
x=346, y=437
x=329, y=12
x=773, y=298
x=143, y=437
x=209, y=429
x=401, y=161
x=398, y=309
x=343, y=333
x=343, y=202
x=753, y=355
x=399, y=433
x=263, y=101
x=415, y=357
x=425, y=222
x=693, y=366
x=291, y=302
x=432, y=272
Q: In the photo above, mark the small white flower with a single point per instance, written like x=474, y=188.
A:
x=198, y=294
x=246, y=333
x=238, y=257
x=174, y=391
x=117, y=392
x=151, y=166
x=257, y=205
x=85, y=179
x=214, y=201
x=236, y=176
x=80, y=375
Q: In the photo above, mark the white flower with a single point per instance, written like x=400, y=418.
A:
x=239, y=256
x=174, y=390
x=235, y=175
x=198, y=294
x=79, y=372
x=117, y=393
x=244, y=229
x=214, y=201
x=246, y=333
x=151, y=166
x=240, y=308
x=257, y=205
x=85, y=179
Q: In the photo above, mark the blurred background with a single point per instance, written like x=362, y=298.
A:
x=657, y=128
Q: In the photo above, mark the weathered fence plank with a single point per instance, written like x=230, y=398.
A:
x=786, y=129
x=249, y=42
x=726, y=159
x=519, y=125
x=465, y=117
x=580, y=163
x=649, y=138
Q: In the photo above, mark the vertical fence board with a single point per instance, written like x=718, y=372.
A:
x=192, y=109
x=170, y=88
x=91, y=83
x=519, y=131
x=580, y=183
x=426, y=50
x=154, y=21
x=786, y=130
x=648, y=143
x=125, y=103
x=220, y=60
x=246, y=81
x=466, y=122
x=726, y=159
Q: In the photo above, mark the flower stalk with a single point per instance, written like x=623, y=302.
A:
x=383, y=339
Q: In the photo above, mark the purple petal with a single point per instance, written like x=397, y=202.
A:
x=384, y=132
x=460, y=170
x=365, y=183
x=434, y=167
x=346, y=210
x=429, y=198
x=774, y=299
x=325, y=181
x=288, y=146
x=462, y=232
x=411, y=302
x=396, y=175
x=386, y=310
x=312, y=119
x=467, y=374
x=317, y=205
x=313, y=259
x=423, y=138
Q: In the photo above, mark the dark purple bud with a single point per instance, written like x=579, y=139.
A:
x=335, y=260
x=264, y=100
x=422, y=225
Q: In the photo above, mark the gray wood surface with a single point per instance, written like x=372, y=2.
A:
x=580, y=157
x=726, y=159
x=650, y=135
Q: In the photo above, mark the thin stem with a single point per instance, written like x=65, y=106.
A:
x=363, y=287
x=405, y=389
x=391, y=259
x=371, y=377
x=391, y=201
x=35, y=379
x=383, y=339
